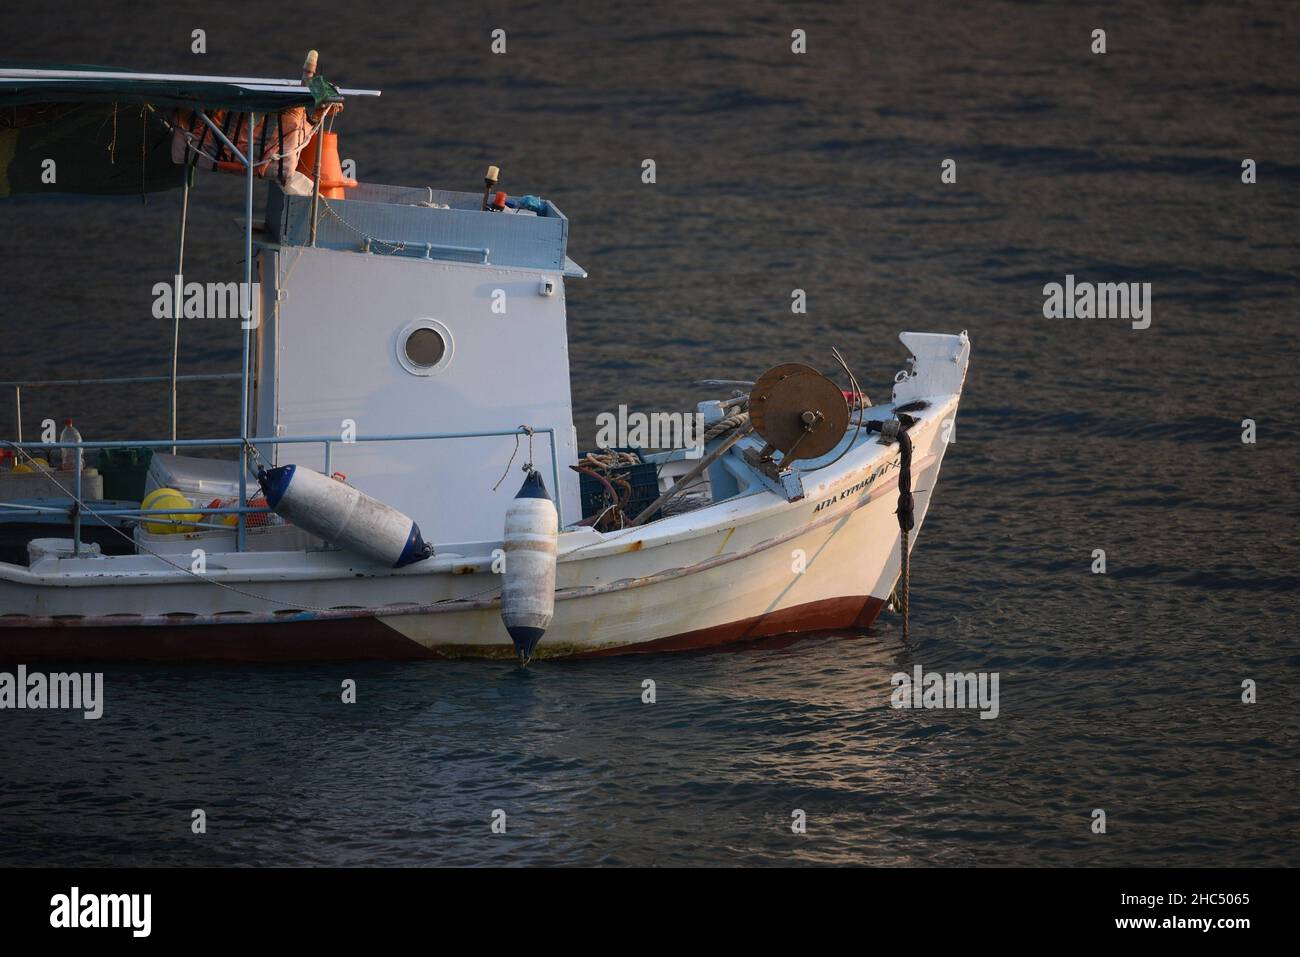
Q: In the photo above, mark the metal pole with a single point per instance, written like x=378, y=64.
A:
x=315, y=192
x=246, y=323
x=555, y=477
x=18, y=409
x=216, y=131
x=78, y=462
x=176, y=304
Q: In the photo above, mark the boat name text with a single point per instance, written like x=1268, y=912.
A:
x=866, y=482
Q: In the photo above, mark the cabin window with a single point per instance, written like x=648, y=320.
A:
x=424, y=347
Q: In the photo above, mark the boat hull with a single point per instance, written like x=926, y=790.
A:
x=752, y=566
x=804, y=566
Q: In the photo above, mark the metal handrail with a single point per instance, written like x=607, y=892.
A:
x=483, y=252
x=121, y=380
x=19, y=384
x=277, y=440
x=74, y=511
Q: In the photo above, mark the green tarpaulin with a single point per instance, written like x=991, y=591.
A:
x=85, y=148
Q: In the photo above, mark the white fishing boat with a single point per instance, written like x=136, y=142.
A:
x=405, y=347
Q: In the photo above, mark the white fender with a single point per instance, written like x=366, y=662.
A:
x=343, y=516
x=528, y=586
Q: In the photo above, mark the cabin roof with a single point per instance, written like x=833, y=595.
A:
x=23, y=85
x=425, y=223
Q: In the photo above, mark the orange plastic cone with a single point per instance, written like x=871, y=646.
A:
x=332, y=181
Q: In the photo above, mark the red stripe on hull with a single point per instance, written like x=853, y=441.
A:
x=355, y=639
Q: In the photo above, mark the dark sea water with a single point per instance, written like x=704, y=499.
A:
x=775, y=171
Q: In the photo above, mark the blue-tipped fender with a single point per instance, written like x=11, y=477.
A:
x=528, y=586
x=342, y=515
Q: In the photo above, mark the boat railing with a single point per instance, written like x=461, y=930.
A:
x=76, y=509
x=19, y=384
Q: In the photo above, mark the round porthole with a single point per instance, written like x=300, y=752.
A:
x=424, y=347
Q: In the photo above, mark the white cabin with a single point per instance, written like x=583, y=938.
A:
x=417, y=312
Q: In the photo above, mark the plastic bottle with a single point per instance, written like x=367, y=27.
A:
x=68, y=457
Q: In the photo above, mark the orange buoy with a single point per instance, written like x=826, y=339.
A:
x=332, y=181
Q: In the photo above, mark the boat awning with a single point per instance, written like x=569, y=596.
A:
x=97, y=130
x=20, y=86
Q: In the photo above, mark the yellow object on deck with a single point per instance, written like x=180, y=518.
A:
x=168, y=498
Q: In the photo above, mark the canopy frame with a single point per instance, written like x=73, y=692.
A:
x=249, y=96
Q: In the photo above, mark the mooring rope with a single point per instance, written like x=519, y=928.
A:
x=906, y=520
x=528, y=466
x=725, y=425
x=892, y=430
